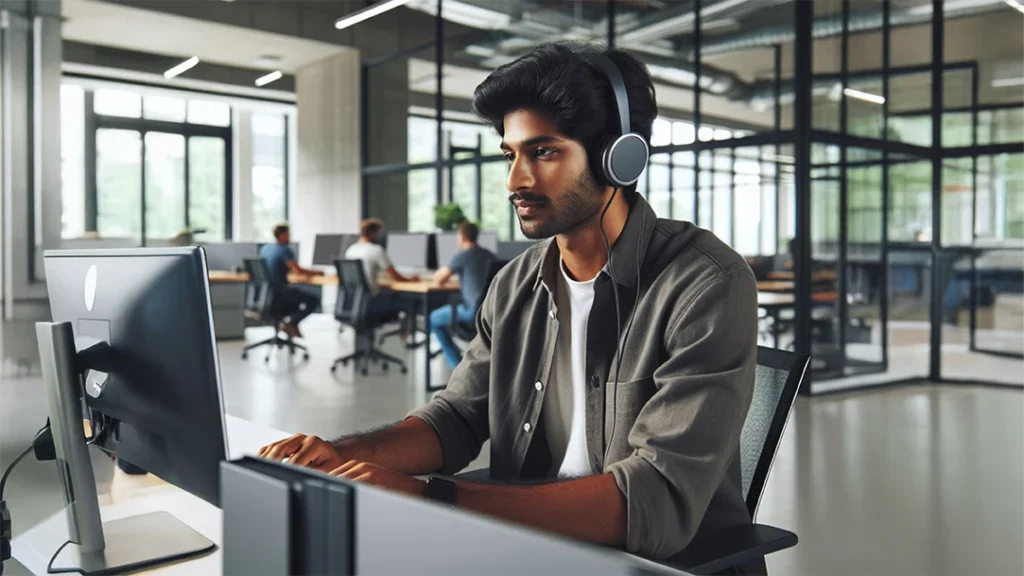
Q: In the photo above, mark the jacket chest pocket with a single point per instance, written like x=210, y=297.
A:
x=622, y=410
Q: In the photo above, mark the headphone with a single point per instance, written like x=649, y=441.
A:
x=623, y=159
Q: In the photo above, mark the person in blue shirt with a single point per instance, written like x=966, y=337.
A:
x=472, y=264
x=280, y=260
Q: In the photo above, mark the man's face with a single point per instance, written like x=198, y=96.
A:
x=549, y=179
x=285, y=238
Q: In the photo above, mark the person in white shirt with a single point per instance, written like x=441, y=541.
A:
x=376, y=264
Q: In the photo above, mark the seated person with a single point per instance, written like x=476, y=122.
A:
x=376, y=263
x=642, y=456
x=280, y=260
x=472, y=264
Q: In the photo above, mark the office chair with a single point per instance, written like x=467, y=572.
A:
x=260, y=308
x=777, y=378
x=351, y=309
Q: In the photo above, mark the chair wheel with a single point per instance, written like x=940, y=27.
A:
x=245, y=355
x=305, y=356
x=266, y=360
x=364, y=372
x=385, y=366
x=344, y=362
x=404, y=370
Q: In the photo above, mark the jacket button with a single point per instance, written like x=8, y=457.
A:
x=527, y=426
x=551, y=313
x=595, y=382
x=538, y=386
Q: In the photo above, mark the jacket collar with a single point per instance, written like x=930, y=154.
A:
x=633, y=242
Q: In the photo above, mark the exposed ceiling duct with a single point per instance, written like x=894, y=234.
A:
x=519, y=26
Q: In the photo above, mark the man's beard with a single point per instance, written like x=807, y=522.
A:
x=574, y=207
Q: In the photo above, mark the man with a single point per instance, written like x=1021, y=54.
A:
x=377, y=263
x=280, y=260
x=472, y=264
x=644, y=464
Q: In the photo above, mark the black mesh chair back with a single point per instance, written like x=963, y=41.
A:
x=778, y=376
x=259, y=293
x=353, y=293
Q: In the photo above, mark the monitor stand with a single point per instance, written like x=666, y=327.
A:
x=93, y=547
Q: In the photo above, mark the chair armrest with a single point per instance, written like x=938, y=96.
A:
x=727, y=547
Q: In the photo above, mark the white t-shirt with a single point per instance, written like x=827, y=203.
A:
x=565, y=403
x=375, y=261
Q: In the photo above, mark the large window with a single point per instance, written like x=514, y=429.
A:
x=142, y=165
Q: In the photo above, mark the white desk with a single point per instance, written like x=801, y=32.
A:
x=133, y=495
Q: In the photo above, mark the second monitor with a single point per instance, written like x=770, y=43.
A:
x=447, y=245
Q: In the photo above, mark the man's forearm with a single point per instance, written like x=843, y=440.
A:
x=591, y=509
x=410, y=447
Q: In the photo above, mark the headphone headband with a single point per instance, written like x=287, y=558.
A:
x=614, y=76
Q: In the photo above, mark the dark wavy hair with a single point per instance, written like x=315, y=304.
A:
x=555, y=81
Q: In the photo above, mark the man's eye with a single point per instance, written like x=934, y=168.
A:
x=542, y=152
x=509, y=157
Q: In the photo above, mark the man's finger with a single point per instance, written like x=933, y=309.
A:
x=307, y=454
x=283, y=448
x=344, y=468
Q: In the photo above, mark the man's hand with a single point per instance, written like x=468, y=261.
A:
x=303, y=450
x=380, y=476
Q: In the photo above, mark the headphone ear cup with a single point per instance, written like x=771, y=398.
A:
x=625, y=159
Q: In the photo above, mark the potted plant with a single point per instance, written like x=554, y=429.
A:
x=447, y=217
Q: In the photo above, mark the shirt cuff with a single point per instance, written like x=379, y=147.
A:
x=449, y=427
x=652, y=529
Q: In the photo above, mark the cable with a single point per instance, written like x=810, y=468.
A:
x=3, y=480
x=621, y=343
x=5, y=514
x=618, y=320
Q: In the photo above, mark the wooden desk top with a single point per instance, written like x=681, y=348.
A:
x=418, y=287
x=822, y=276
x=775, y=286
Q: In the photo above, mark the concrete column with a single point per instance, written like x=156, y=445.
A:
x=30, y=55
x=242, y=193
x=30, y=166
x=327, y=195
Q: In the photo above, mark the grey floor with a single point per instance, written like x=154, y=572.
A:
x=912, y=480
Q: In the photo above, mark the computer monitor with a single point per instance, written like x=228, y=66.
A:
x=488, y=240
x=132, y=335
x=408, y=250
x=330, y=247
x=447, y=246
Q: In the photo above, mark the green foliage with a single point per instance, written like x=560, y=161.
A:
x=447, y=217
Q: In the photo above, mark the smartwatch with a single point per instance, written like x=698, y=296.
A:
x=442, y=490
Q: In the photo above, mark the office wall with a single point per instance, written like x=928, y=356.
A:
x=327, y=196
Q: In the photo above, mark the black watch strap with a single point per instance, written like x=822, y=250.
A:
x=442, y=490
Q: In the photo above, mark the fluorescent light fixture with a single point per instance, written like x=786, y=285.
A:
x=367, y=13
x=1008, y=82
x=865, y=96
x=182, y=68
x=264, y=80
x=1015, y=5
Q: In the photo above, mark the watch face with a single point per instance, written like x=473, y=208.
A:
x=442, y=490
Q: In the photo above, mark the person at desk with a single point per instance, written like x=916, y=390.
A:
x=280, y=260
x=643, y=455
x=472, y=264
x=376, y=264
